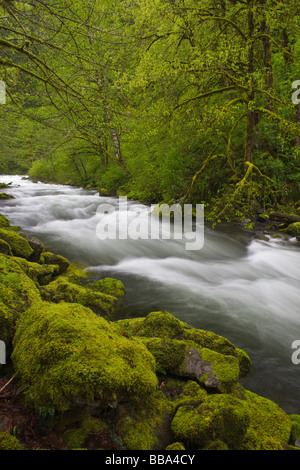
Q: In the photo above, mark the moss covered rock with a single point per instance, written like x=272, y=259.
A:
x=249, y=422
x=53, y=259
x=186, y=359
x=108, y=286
x=4, y=222
x=5, y=248
x=9, y=442
x=165, y=326
x=295, y=431
x=40, y=274
x=67, y=356
x=294, y=229
x=17, y=293
x=63, y=290
x=18, y=245
x=6, y=196
x=145, y=425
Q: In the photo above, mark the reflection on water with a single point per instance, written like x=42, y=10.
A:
x=245, y=290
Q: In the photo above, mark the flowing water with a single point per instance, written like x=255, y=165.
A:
x=246, y=290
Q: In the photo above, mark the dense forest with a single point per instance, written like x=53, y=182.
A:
x=168, y=100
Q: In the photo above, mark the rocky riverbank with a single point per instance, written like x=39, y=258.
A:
x=77, y=378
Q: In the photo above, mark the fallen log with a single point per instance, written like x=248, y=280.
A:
x=285, y=218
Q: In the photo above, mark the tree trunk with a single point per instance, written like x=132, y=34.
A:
x=251, y=95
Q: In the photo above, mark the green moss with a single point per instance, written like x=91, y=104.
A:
x=17, y=294
x=19, y=246
x=93, y=425
x=66, y=354
x=74, y=438
x=9, y=442
x=175, y=446
x=219, y=417
x=157, y=324
x=4, y=222
x=169, y=354
x=216, y=445
x=50, y=258
x=166, y=326
x=250, y=226
x=269, y=428
x=294, y=229
x=224, y=368
x=7, y=323
x=140, y=424
x=247, y=423
x=63, y=290
x=75, y=273
x=108, y=286
x=192, y=394
x=40, y=274
x=6, y=196
x=295, y=431
x=5, y=248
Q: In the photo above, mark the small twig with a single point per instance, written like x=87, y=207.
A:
x=7, y=383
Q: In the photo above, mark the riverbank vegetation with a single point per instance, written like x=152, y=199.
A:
x=162, y=101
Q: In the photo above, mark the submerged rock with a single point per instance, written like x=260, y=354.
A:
x=6, y=196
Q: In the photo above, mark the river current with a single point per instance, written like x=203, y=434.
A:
x=245, y=289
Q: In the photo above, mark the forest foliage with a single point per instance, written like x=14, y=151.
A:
x=161, y=100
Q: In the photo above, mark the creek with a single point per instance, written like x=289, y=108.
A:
x=240, y=287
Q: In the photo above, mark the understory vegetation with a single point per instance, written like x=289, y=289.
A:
x=168, y=100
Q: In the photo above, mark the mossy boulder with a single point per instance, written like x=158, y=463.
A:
x=145, y=425
x=75, y=438
x=76, y=274
x=175, y=446
x=294, y=230
x=10, y=442
x=186, y=359
x=40, y=274
x=108, y=286
x=269, y=428
x=247, y=422
x=18, y=245
x=54, y=259
x=220, y=416
x=63, y=290
x=295, y=432
x=5, y=248
x=6, y=196
x=4, y=222
x=17, y=293
x=165, y=326
x=67, y=356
